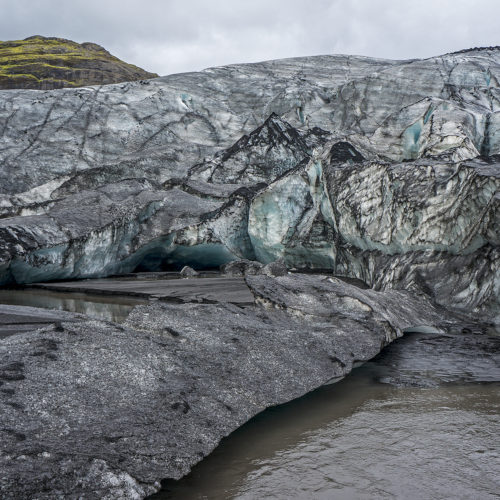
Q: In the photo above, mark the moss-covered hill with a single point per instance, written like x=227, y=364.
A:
x=50, y=63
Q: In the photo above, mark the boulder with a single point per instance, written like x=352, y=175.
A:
x=188, y=272
x=241, y=267
x=276, y=268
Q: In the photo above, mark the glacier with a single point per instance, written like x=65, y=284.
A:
x=386, y=171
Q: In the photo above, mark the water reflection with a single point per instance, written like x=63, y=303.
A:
x=109, y=308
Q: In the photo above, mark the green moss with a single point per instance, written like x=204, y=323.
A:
x=21, y=76
x=50, y=61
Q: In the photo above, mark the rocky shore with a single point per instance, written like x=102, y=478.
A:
x=100, y=410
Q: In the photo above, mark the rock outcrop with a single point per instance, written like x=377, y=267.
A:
x=45, y=63
x=98, y=410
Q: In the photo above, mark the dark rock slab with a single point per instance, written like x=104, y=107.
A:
x=16, y=319
x=99, y=410
x=464, y=355
x=222, y=289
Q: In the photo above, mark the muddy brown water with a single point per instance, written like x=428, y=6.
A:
x=420, y=421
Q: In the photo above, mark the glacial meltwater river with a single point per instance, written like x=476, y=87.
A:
x=420, y=421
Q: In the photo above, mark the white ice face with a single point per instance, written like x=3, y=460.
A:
x=352, y=164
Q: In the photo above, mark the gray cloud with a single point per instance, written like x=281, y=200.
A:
x=183, y=35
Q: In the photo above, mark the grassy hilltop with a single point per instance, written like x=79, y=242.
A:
x=50, y=63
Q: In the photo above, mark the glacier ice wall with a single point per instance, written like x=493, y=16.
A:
x=166, y=125
x=387, y=171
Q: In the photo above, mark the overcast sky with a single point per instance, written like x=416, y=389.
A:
x=171, y=36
